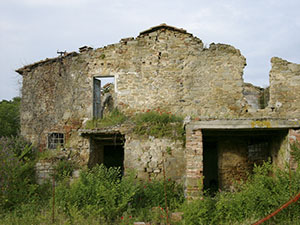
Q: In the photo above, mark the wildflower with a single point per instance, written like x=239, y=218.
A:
x=130, y=217
x=122, y=217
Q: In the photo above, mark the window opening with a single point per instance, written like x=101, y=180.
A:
x=55, y=140
x=258, y=151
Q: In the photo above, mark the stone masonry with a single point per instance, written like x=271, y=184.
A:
x=167, y=68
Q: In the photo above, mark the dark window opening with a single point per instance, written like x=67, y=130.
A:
x=102, y=88
x=210, y=167
x=258, y=150
x=55, y=140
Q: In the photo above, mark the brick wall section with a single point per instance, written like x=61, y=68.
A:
x=194, y=162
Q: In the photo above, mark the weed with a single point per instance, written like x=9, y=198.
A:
x=159, y=124
x=111, y=119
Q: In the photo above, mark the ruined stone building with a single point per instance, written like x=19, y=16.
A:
x=229, y=124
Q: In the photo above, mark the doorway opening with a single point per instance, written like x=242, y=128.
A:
x=113, y=156
x=107, y=149
x=210, y=167
x=103, y=87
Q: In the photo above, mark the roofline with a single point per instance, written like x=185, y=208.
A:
x=29, y=67
x=163, y=26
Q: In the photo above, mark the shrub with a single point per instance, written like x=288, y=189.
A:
x=100, y=191
x=17, y=184
x=264, y=191
x=152, y=194
x=200, y=211
x=63, y=168
x=10, y=117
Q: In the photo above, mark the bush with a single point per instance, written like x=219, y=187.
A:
x=17, y=173
x=10, y=117
x=63, y=168
x=200, y=211
x=152, y=194
x=99, y=190
x=264, y=191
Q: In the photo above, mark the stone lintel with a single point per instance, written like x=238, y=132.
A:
x=244, y=124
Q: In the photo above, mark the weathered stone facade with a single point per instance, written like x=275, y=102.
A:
x=153, y=155
x=166, y=68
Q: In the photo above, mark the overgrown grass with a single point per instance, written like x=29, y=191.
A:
x=102, y=196
x=111, y=119
x=156, y=123
x=159, y=124
x=255, y=199
x=17, y=175
x=103, y=192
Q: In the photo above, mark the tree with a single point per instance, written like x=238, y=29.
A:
x=10, y=117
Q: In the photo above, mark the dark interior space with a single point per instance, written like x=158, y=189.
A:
x=113, y=156
x=210, y=166
x=230, y=155
x=107, y=149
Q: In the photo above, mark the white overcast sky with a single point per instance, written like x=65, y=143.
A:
x=32, y=30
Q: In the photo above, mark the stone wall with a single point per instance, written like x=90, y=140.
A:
x=294, y=140
x=44, y=171
x=284, y=88
x=164, y=68
x=148, y=156
x=56, y=97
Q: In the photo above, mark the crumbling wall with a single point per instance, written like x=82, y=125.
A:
x=171, y=70
x=256, y=97
x=294, y=143
x=56, y=97
x=148, y=156
x=163, y=68
x=284, y=89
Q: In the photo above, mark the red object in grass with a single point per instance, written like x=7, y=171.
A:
x=296, y=198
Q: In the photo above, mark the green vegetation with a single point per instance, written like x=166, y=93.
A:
x=159, y=124
x=155, y=123
x=17, y=175
x=103, y=196
x=255, y=199
x=10, y=117
x=112, y=119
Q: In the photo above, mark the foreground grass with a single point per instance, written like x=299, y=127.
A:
x=102, y=196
